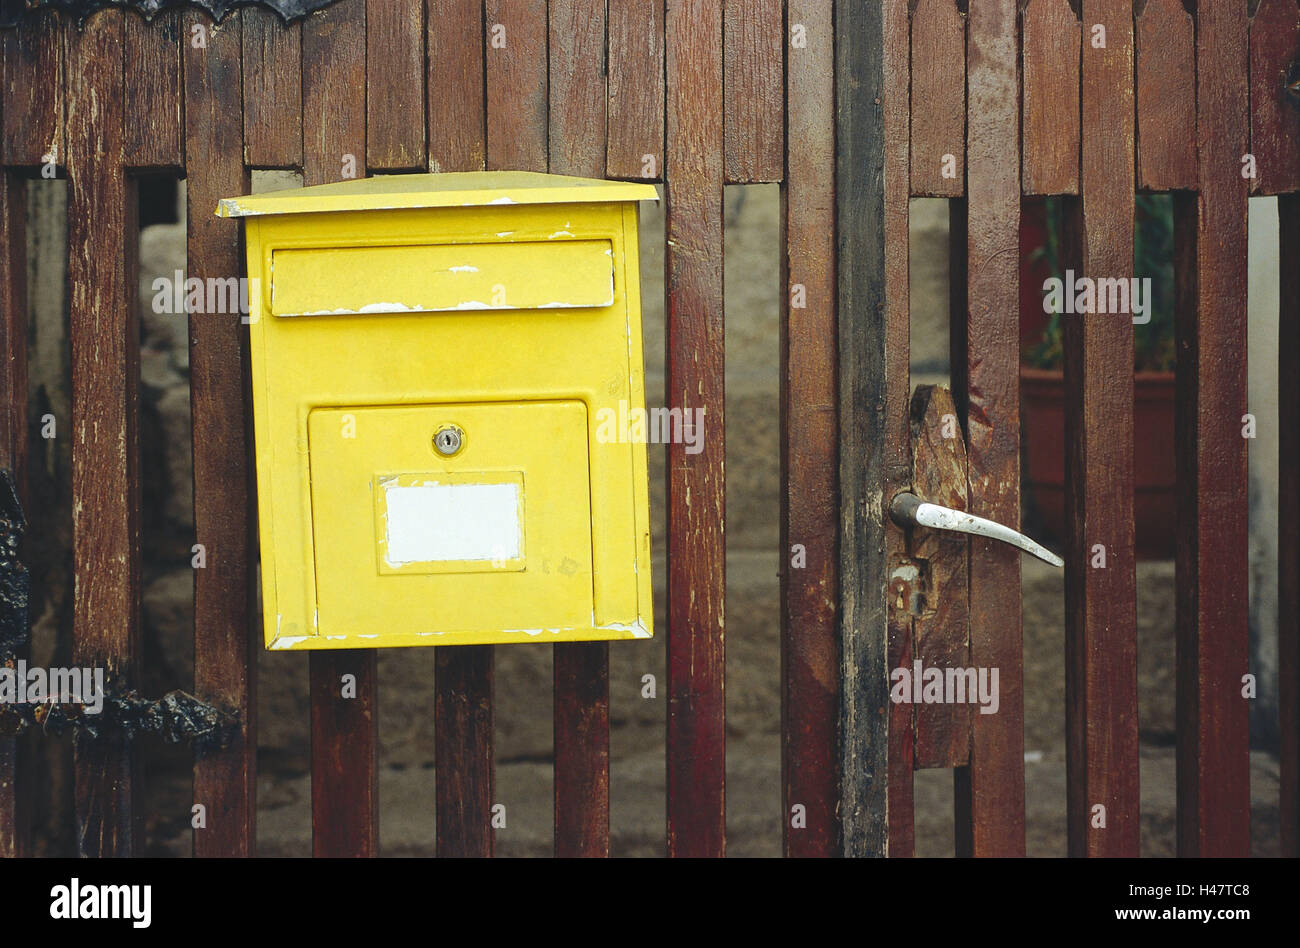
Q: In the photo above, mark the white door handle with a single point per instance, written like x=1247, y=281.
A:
x=908, y=510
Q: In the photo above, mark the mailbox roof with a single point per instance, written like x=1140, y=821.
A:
x=460, y=189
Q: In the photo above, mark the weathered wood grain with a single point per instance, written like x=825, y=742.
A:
x=1275, y=112
x=810, y=445
x=462, y=748
x=15, y=781
x=395, y=105
x=1166, y=104
x=636, y=90
x=334, y=74
x=753, y=130
x=1101, y=601
x=344, y=754
x=344, y=731
x=940, y=624
x=227, y=636
x=104, y=334
x=1288, y=523
x=456, y=119
x=696, y=482
x=273, y=76
x=1213, y=575
x=33, y=85
x=515, y=54
x=581, y=669
x=938, y=99
x=153, y=94
x=897, y=429
x=991, y=791
x=1051, y=38
x=862, y=337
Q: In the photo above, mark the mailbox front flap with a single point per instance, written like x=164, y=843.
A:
x=561, y=274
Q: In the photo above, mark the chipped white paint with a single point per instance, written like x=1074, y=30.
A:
x=288, y=641
x=465, y=268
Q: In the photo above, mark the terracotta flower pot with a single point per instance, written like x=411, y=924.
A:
x=1042, y=397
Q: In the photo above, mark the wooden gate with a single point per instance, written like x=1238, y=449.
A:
x=853, y=107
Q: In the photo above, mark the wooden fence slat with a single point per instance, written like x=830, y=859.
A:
x=104, y=334
x=897, y=434
x=395, y=104
x=636, y=90
x=1051, y=92
x=152, y=112
x=581, y=669
x=462, y=746
x=33, y=90
x=695, y=379
x=991, y=791
x=1213, y=565
x=227, y=637
x=273, y=80
x=15, y=784
x=938, y=99
x=753, y=132
x=344, y=731
x=942, y=731
x=515, y=54
x=456, y=120
x=333, y=122
x=1166, y=107
x=862, y=337
x=1101, y=603
x=810, y=444
x=1288, y=522
x=1274, y=128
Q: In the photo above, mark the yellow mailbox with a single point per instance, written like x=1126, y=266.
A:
x=432, y=357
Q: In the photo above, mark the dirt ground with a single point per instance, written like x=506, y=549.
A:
x=523, y=673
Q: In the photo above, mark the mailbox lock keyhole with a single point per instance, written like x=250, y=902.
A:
x=448, y=441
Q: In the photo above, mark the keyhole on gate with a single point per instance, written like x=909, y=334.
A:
x=448, y=440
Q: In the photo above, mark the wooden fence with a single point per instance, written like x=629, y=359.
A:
x=853, y=108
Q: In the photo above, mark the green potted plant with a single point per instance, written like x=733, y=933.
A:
x=1042, y=385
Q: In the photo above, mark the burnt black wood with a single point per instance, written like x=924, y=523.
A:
x=11, y=11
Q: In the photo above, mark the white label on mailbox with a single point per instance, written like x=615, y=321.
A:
x=433, y=522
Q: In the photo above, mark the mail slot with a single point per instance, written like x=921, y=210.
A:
x=432, y=357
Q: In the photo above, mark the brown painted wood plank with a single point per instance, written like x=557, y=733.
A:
x=1166, y=104
x=1101, y=602
x=696, y=482
x=227, y=637
x=515, y=53
x=395, y=107
x=810, y=445
x=577, y=88
x=942, y=731
x=273, y=79
x=1288, y=523
x=897, y=431
x=992, y=788
x=1213, y=574
x=753, y=130
x=333, y=111
x=938, y=98
x=463, y=764
x=1274, y=117
x=456, y=119
x=15, y=781
x=636, y=90
x=1051, y=95
x=153, y=112
x=33, y=91
x=105, y=338
x=344, y=754
x=581, y=669
x=344, y=731
x=864, y=341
